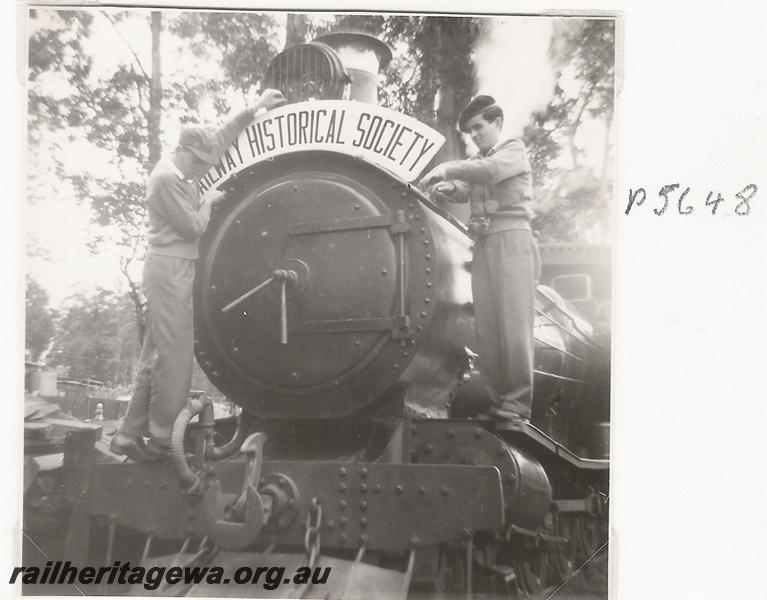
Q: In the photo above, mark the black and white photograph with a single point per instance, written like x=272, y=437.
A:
x=318, y=304
x=402, y=303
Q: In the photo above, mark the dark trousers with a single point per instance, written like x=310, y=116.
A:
x=167, y=355
x=504, y=270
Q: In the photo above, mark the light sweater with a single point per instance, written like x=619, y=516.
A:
x=497, y=185
x=177, y=217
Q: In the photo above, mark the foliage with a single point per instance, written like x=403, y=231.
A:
x=587, y=50
x=244, y=43
x=96, y=338
x=39, y=320
x=70, y=105
x=572, y=201
x=118, y=113
x=56, y=56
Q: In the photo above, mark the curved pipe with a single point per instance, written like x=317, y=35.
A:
x=203, y=407
x=186, y=476
x=214, y=452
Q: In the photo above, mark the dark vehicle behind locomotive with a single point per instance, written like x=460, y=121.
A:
x=333, y=304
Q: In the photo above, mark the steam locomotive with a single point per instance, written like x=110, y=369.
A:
x=333, y=305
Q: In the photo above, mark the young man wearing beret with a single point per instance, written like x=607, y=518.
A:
x=497, y=182
x=178, y=216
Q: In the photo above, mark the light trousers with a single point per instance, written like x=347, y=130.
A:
x=167, y=354
x=504, y=270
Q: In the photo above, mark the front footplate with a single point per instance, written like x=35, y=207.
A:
x=392, y=507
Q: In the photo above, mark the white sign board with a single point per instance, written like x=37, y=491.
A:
x=386, y=138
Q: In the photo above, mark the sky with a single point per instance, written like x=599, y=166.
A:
x=512, y=64
x=513, y=67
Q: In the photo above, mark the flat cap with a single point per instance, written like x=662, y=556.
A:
x=476, y=106
x=201, y=142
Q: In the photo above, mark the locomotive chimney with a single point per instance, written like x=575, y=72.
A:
x=362, y=56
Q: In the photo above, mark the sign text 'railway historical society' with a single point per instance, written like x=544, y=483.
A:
x=389, y=139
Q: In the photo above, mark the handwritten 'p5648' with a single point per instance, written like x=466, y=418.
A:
x=686, y=206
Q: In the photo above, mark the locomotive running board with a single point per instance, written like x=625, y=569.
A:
x=524, y=430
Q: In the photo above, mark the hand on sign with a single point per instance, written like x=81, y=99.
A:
x=442, y=192
x=435, y=175
x=213, y=196
x=270, y=99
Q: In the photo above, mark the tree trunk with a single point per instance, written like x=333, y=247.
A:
x=154, y=123
x=155, y=93
x=454, y=88
x=134, y=293
x=296, y=27
x=447, y=109
x=447, y=115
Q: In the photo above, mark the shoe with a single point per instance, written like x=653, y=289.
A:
x=131, y=447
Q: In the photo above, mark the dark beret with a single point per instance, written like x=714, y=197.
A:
x=478, y=105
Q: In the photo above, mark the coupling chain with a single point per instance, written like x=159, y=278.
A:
x=312, y=535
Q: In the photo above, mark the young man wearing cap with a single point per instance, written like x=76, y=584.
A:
x=497, y=183
x=178, y=216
